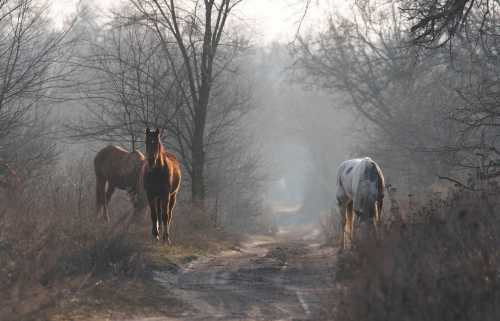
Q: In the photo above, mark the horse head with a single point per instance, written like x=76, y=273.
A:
x=368, y=219
x=153, y=146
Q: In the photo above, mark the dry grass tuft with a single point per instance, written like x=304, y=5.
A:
x=194, y=227
x=52, y=246
x=330, y=228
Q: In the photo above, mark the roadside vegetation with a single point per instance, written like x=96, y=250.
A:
x=422, y=79
x=58, y=260
x=437, y=258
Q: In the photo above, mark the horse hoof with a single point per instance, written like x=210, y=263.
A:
x=166, y=239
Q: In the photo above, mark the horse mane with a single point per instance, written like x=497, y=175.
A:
x=368, y=171
x=376, y=172
x=160, y=143
x=122, y=149
x=370, y=174
x=138, y=157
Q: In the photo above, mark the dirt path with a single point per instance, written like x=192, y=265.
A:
x=257, y=281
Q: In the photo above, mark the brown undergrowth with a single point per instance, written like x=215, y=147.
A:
x=436, y=259
x=59, y=262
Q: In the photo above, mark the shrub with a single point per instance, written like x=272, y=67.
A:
x=330, y=228
x=27, y=260
x=193, y=226
x=50, y=242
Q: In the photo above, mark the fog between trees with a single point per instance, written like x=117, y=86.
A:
x=260, y=131
x=256, y=129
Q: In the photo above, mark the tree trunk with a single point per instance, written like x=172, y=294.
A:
x=197, y=183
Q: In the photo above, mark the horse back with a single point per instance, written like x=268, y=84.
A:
x=352, y=173
x=119, y=166
x=346, y=176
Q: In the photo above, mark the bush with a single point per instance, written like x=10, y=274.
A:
x=193, y=226
x=441, y=262
x=53, y=247
x=51, y=242
x=330, y=228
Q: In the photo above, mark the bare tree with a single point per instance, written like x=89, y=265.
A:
x=137, y=76
x=453, y=24
x=129, y=84
x=435, y=23
x=469, y=31
x=360, y=61
x=199, y=30
x=478, y=120
x=35, y=55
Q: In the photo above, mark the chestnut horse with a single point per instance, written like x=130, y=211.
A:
x=360, y=191
x=118, y=168
x=160, y=180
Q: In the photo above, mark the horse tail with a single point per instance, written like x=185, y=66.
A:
x=137, y=189
x=376, y=174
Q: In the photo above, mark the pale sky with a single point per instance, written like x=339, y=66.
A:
x=274, y=20
x=277, y=20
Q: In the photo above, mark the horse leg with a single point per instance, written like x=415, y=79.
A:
x=164, y=218
x=154, y=217
x=380, y=203
x=342, y=210
x=170, y=214
x=350, y=222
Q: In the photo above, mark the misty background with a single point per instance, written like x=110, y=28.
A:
x=284, y=103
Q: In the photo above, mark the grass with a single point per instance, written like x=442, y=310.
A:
x=438, y=258
x=159, y=255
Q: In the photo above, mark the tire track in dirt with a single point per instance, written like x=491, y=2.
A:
x=287, y=281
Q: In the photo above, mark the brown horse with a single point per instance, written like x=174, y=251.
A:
x=160, y=180
x=118, y=168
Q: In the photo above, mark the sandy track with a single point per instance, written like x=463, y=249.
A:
x=275, y=281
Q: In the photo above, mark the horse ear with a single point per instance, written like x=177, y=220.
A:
x=147, y=130
x=157, y=131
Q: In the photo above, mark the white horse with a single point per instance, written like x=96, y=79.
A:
x=360, y=190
